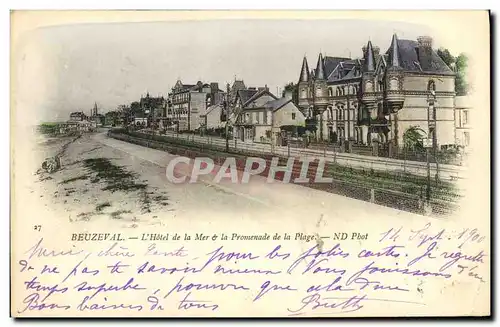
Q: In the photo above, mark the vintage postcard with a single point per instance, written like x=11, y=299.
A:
x=250, y=164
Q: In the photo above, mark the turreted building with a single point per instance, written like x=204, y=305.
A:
x=380, y=96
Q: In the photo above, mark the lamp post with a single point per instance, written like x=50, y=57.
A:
x=272, y=132
x=430, y=109
x=428, y=190
x=226, y=110
x=227, y=132
x=434, y=134
x=227, y=135
x=288, y=138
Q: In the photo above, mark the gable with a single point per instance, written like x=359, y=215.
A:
x=242, y=96
x=178, y=85
x=289, y=107
x=214, y=110
x=331, y=64
x=380, y=69
x=259, y=99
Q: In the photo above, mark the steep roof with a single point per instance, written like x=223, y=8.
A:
x=353, y=73
x=369, y=65
x=331, y=63
x=348, y=69
x=245, y=95
x=304, y=72
x=320, y=68
x=258, y=94
x=238, y=85
x=412, y=60
x=277, y=104
x=394, y=55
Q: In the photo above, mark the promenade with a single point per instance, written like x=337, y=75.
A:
x=446, y=172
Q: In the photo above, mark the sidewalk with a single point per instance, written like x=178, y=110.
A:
x=276, y=196
x=344, y=159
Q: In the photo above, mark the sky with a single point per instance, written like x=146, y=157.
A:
x=67, y=68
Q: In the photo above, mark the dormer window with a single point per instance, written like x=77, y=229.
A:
x=380, y=86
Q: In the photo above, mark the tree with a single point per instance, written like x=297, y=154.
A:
x=447, y=57
x=112, y=117
x=290, y=87
x=412, y=138
x=135, y=107
x=461, y=85
x=459, y=66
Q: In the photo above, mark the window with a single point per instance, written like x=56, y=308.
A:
x=293, y=115
x=431, y=86
x=431, y=133
x=380, y=112
x=466, y=117
x=466, y=138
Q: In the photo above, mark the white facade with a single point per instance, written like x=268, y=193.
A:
x=212, y=117
x=463, y=120
x=264, y=123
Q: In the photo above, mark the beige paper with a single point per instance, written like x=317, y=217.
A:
x=222, y=249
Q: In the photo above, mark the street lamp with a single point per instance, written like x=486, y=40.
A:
x=428, y=191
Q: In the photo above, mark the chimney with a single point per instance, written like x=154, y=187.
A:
x=214, y=87
x=424, y=41
x=424, y=52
